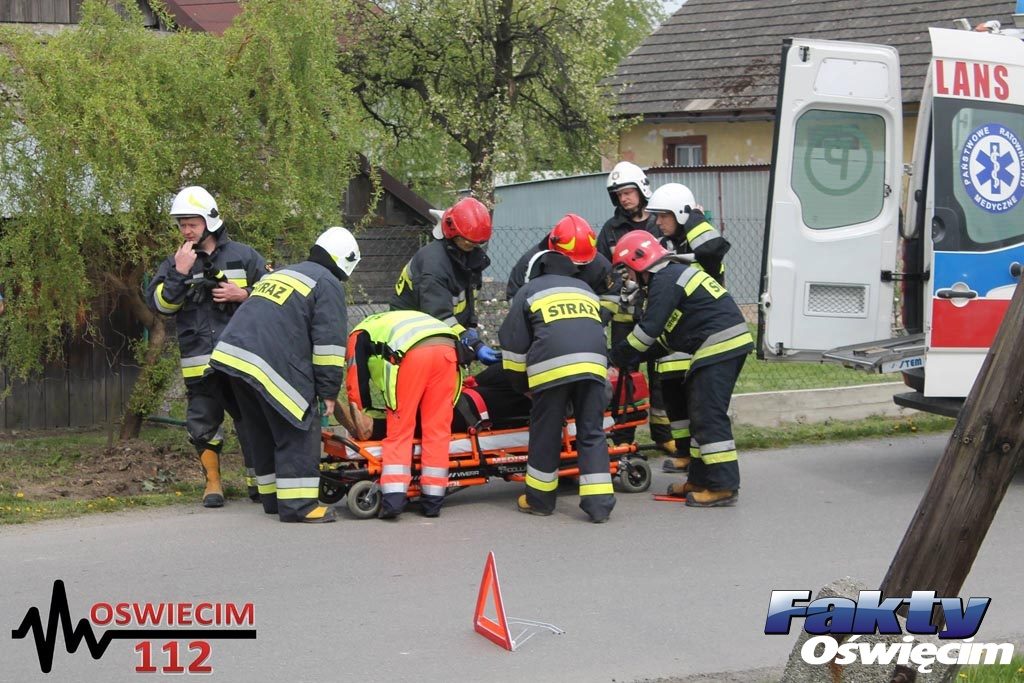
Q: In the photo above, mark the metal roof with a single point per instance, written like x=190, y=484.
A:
x=722, y=56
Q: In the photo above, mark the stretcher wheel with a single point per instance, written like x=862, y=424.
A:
x=364, y=499
x=634, y=475
x=330, y=491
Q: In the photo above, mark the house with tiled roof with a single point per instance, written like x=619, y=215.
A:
x=703, y=85
x=209, y=16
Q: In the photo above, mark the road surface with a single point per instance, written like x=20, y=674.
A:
x=660, y=591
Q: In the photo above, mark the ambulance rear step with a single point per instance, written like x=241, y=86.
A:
x=950, y=407
x=883, y=356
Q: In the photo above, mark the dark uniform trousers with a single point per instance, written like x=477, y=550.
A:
x=208, y=399
x=279, y=451
x=678, y=416
x=704, y=396
x=547, y=416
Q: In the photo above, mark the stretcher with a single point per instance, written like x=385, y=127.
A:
x=351, y=469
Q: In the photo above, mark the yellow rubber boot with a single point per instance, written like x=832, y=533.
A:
x=213, y=496
x=669, y=447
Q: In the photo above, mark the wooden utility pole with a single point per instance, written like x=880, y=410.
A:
x=970, y=480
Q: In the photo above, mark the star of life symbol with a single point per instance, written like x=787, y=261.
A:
x=992, y=168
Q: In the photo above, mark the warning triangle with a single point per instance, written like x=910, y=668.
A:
x=495, y=630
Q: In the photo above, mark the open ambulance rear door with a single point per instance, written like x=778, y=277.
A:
x=832, y=222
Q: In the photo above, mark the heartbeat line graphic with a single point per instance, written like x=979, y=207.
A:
x=60, y=614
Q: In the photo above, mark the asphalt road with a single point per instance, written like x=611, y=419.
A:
x=660, y=591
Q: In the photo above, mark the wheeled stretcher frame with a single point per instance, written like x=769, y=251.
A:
x=352, y=468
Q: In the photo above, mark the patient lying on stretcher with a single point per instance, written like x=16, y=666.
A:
x=489, y=400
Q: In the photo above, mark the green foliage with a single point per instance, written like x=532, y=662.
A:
x=468, y=88
x=154, y=379
x=101, y=125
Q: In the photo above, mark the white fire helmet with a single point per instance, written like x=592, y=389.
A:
x=627, y=174
x=342, y=247
x=673, y=198
x=196, y=201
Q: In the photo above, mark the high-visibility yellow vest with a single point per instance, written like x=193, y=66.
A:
x=392, y=334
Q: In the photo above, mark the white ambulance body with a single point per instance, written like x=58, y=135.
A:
x=849, y=277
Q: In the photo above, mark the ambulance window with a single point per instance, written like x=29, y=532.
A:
x=839, y=167
x=988, y=149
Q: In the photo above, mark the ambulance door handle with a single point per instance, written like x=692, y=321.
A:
x=1015, y=269
x=956, y=294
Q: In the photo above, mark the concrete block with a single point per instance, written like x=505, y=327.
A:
x=773, y=408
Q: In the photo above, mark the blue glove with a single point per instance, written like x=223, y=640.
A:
x=470, y=338
x=486, y=355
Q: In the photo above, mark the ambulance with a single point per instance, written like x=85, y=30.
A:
x=850, y=273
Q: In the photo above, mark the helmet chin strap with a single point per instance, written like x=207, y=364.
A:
x=202, y=238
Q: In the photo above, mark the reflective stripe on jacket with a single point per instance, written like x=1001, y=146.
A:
x=288, y=340
x=706, y=244
x=689, y=312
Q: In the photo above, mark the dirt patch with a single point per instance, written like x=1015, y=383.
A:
x=75, y=468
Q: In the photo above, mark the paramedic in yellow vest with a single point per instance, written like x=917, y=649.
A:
x=553, y=344
x=410, y=358
x=284, y=351
x=685, y=231
x=201, y=286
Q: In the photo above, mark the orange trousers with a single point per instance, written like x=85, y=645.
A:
x=427, y=381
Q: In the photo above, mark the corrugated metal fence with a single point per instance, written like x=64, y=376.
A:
x=734, y=198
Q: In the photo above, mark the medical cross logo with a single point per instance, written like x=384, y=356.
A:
x=992, y=168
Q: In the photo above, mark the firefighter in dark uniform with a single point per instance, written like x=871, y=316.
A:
x=688, y=311
x=630, y=190
x=201, y=285
x=442, y=277
x=284, y=349
x=570, y=234
x=554, y=344
x=684, y=231
x=411, y=359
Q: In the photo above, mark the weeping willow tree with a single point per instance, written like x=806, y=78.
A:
x=102, y=124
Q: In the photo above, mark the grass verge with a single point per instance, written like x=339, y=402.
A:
x=993, y=673
x=60, y=475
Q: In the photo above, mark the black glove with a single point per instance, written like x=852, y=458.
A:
x=623, y=355
x=469, y=343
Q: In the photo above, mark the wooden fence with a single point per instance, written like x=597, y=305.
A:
x=91, y=386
